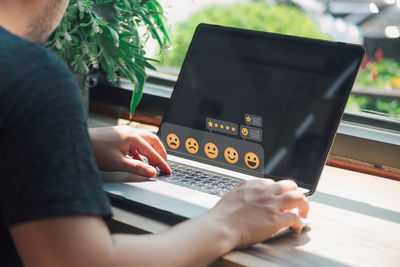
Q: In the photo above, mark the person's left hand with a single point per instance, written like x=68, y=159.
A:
x=120, y=148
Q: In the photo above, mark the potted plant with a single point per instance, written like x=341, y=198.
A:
x=110, y=35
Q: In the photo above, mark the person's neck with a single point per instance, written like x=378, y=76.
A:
x=14, y=17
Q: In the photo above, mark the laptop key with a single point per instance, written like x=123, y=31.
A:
x=200, y=180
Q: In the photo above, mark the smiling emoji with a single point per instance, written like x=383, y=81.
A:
x=173, y=141
x=211, y=150
x=191, y=145
x=251, y=160
x=231, y=155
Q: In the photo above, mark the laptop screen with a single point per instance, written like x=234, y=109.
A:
x=258, y=103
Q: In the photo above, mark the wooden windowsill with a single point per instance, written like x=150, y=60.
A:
x=355, y=220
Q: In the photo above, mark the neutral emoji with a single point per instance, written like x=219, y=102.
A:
x=173, y=141
x=231, y=155
x=211, y=150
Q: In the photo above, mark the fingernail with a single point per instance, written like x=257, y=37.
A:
x=150, y=171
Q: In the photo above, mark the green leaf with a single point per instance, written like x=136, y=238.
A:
x=138, y=68
x=149, y=66
x=48, y=43
x=74, y=29
x=127, y=4
x=137, y=96
x=156, y=7
x=85, y=24
x=117, y=38
x=114, y=35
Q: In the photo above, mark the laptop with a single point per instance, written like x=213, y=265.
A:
x=246, y=105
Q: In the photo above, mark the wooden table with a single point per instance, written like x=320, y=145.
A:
x=355, y=221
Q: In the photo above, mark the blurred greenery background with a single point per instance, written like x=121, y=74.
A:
x=379, y=73
x=283, y=19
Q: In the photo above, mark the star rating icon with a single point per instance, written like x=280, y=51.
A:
x=248, y=119
x=222, y=126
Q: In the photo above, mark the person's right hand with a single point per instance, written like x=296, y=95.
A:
x=112, y=145
x=256, y=210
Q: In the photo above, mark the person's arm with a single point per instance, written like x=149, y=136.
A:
x=249, y=214
x=112, y=145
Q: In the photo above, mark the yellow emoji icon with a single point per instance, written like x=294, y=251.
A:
x=245, y=131
x=211, y=150
x=173, y=141
x=231, y=155
x=191, y=145
x=251, y=160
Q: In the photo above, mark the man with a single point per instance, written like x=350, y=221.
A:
x=52, y=203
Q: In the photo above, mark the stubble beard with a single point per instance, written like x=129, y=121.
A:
x=44, y=23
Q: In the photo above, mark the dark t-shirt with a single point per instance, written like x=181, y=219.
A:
x=47, y=168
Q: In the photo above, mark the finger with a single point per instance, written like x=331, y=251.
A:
x=155, y=142
x=293, y=221
x=294, y=199
x=266, y=181
x=135, y=155
x=154, y=164
x=152, y=155
x=137, y=167
x=242, y=183
x=283, y=186
x=256, y=183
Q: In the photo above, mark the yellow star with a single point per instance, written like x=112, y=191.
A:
x=216, y=124
x=210, y=123
x=248, y=119
x=233, y=129
x=227, y=127
x=222, y=126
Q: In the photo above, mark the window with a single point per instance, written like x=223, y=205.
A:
x=372, y=117
x=375, y=24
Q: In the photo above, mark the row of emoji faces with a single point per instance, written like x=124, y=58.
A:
x=211, y=150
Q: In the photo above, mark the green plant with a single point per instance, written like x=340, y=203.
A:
x=382, y=73
x=254, y=15
x=368, y=104
x=110, y=34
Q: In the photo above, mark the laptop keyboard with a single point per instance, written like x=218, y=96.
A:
x=207, y=182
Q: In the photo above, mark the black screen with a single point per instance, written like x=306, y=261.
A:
x=287, y=92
